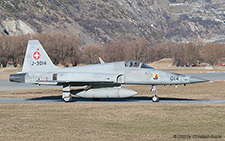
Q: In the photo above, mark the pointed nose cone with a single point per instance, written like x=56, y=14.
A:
x=197, y=80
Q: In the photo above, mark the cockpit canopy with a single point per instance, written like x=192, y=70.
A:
x=136, y=64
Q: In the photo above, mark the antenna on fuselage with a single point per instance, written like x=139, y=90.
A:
x=101, y=61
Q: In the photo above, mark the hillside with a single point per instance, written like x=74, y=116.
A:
x=103, y=20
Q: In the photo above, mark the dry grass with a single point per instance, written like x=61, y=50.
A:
x=76, y=121
x=32, y=93
x=163, y=63
x=109, y=121
x=5, y=72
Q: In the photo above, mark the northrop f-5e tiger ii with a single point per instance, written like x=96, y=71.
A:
x=98, y=81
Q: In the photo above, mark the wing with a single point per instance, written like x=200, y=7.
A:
x=83, y=79
x=92, y=84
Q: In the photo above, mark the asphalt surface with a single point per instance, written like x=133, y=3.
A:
x=5, y=85
x=58, y=99
x=209, y=76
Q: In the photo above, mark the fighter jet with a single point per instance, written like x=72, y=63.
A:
x=102, y=80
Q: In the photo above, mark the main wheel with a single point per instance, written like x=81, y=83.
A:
x=67, y=99
x=155, y=99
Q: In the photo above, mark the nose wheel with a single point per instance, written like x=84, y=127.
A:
x=155, y=98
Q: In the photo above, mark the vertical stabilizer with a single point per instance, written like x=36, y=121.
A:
x=36, y=59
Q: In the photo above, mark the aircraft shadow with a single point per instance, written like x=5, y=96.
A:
x=131, y=99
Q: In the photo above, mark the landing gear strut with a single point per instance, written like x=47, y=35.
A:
x=66, y=94
x=155, y=98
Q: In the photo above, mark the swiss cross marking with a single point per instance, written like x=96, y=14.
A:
x=36, y=55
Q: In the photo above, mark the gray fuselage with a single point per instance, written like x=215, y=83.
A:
x=117, y=72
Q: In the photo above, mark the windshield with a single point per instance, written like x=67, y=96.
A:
x=146, y=66
x=132, y=64
x=136, y=64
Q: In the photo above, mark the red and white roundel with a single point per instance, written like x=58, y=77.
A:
x=36, y=55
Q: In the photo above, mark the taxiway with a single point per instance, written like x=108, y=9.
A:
x=58, y=99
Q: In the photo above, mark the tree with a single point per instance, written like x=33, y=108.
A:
x=212, y=52
x=61, y=48
x=191, y=54
x=91, y=54
x=138, y=50
x=114, y=51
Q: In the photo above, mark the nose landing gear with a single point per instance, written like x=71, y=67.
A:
x=66, y=94
x=155, y=98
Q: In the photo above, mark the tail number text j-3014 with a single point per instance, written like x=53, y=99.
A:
x=38, y=63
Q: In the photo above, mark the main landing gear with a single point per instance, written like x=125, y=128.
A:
x=155, y=98
x=66, y=94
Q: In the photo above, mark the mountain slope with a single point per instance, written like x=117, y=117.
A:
x=101, y=21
